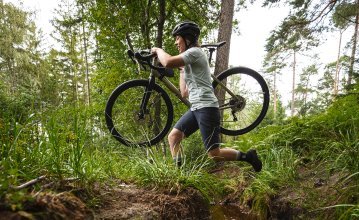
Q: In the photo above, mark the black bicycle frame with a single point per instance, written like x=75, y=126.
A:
x=146, y=95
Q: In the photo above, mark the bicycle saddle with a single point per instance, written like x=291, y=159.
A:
x=216, y=45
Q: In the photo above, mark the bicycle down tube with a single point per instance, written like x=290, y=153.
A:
x=171, y=87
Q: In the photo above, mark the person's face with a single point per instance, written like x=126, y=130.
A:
x=180, y=43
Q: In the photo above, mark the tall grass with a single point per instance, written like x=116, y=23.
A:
x=69, y=143
x=60, y=145
x=156, y=170
x=279, y=171
x=56, y=145
x=16, y=154
x=329, y=140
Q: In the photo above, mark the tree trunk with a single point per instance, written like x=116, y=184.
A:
x=305, y=95
x=293, y=84
x=224, y=34
x=161, y=22
x=145, y=25
x=355, y=38
x=336, y=78
x=88, y=99
x=275, y=96
x=73, y=71
x=159, y=43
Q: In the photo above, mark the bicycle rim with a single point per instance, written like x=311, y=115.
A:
x=123, y=116
x=242, y=114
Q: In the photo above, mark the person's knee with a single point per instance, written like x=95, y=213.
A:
x=175, y=136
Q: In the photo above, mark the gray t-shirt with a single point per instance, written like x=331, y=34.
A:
x=198, y=79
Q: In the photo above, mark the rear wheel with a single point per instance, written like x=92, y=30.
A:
x=243, y=112
x=133, y=127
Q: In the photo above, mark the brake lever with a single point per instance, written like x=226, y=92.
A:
x=143, y=66
x=131, y=55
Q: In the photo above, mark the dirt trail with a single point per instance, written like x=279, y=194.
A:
x=129, y=202
x=120, y=201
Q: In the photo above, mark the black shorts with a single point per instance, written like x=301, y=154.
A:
x=207, y=120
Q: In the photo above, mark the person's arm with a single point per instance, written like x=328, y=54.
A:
x=183, y=85
x=167, y=60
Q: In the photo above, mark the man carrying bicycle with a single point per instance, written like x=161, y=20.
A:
x=196, y=84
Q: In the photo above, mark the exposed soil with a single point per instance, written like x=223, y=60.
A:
x=49, y=205
x=120, y=201
x=126, y=201
x=316, y=188
x=130, y=202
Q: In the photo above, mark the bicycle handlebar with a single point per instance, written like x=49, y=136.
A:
x=144, y=57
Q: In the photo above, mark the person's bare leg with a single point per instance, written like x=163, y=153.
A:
x=224, y=154
x=228, y=154
x=174, y=139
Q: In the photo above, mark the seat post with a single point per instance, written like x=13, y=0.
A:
x=211, y=50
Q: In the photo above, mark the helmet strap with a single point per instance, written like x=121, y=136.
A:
x=187, y=43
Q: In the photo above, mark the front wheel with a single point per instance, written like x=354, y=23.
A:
x=246, y=109
x=135, y=127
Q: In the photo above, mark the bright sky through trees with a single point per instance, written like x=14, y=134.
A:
x=247, y=49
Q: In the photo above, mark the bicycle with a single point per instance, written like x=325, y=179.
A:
x=139, y=112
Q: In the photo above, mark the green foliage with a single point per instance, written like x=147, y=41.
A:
x=139, y=23
x=301, y=31
x=62, y=145
x=21, y=67
x=305, y=90
x=343, y=13
x=292, y=34
x=65, y=138
x=279, y=171
x=330, y=138
x=158, y=171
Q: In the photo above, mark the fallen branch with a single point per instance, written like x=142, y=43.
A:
x=29, y=183
x=48, y=185
x=70, y=179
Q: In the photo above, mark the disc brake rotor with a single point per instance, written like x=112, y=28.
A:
x=237, y=104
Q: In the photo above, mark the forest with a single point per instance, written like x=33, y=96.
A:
x=58, y=160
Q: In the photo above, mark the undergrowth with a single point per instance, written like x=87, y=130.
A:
x=71, y=143
x=328, y=142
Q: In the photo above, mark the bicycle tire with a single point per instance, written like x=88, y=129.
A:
x=122, y=118
x=241, y=81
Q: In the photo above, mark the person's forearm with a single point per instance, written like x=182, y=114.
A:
x=167, y=60
x=163, y=57
x=183, y=85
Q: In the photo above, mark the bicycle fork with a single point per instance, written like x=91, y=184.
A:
x=146, y=97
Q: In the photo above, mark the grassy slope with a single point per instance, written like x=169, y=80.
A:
x=311, y=166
